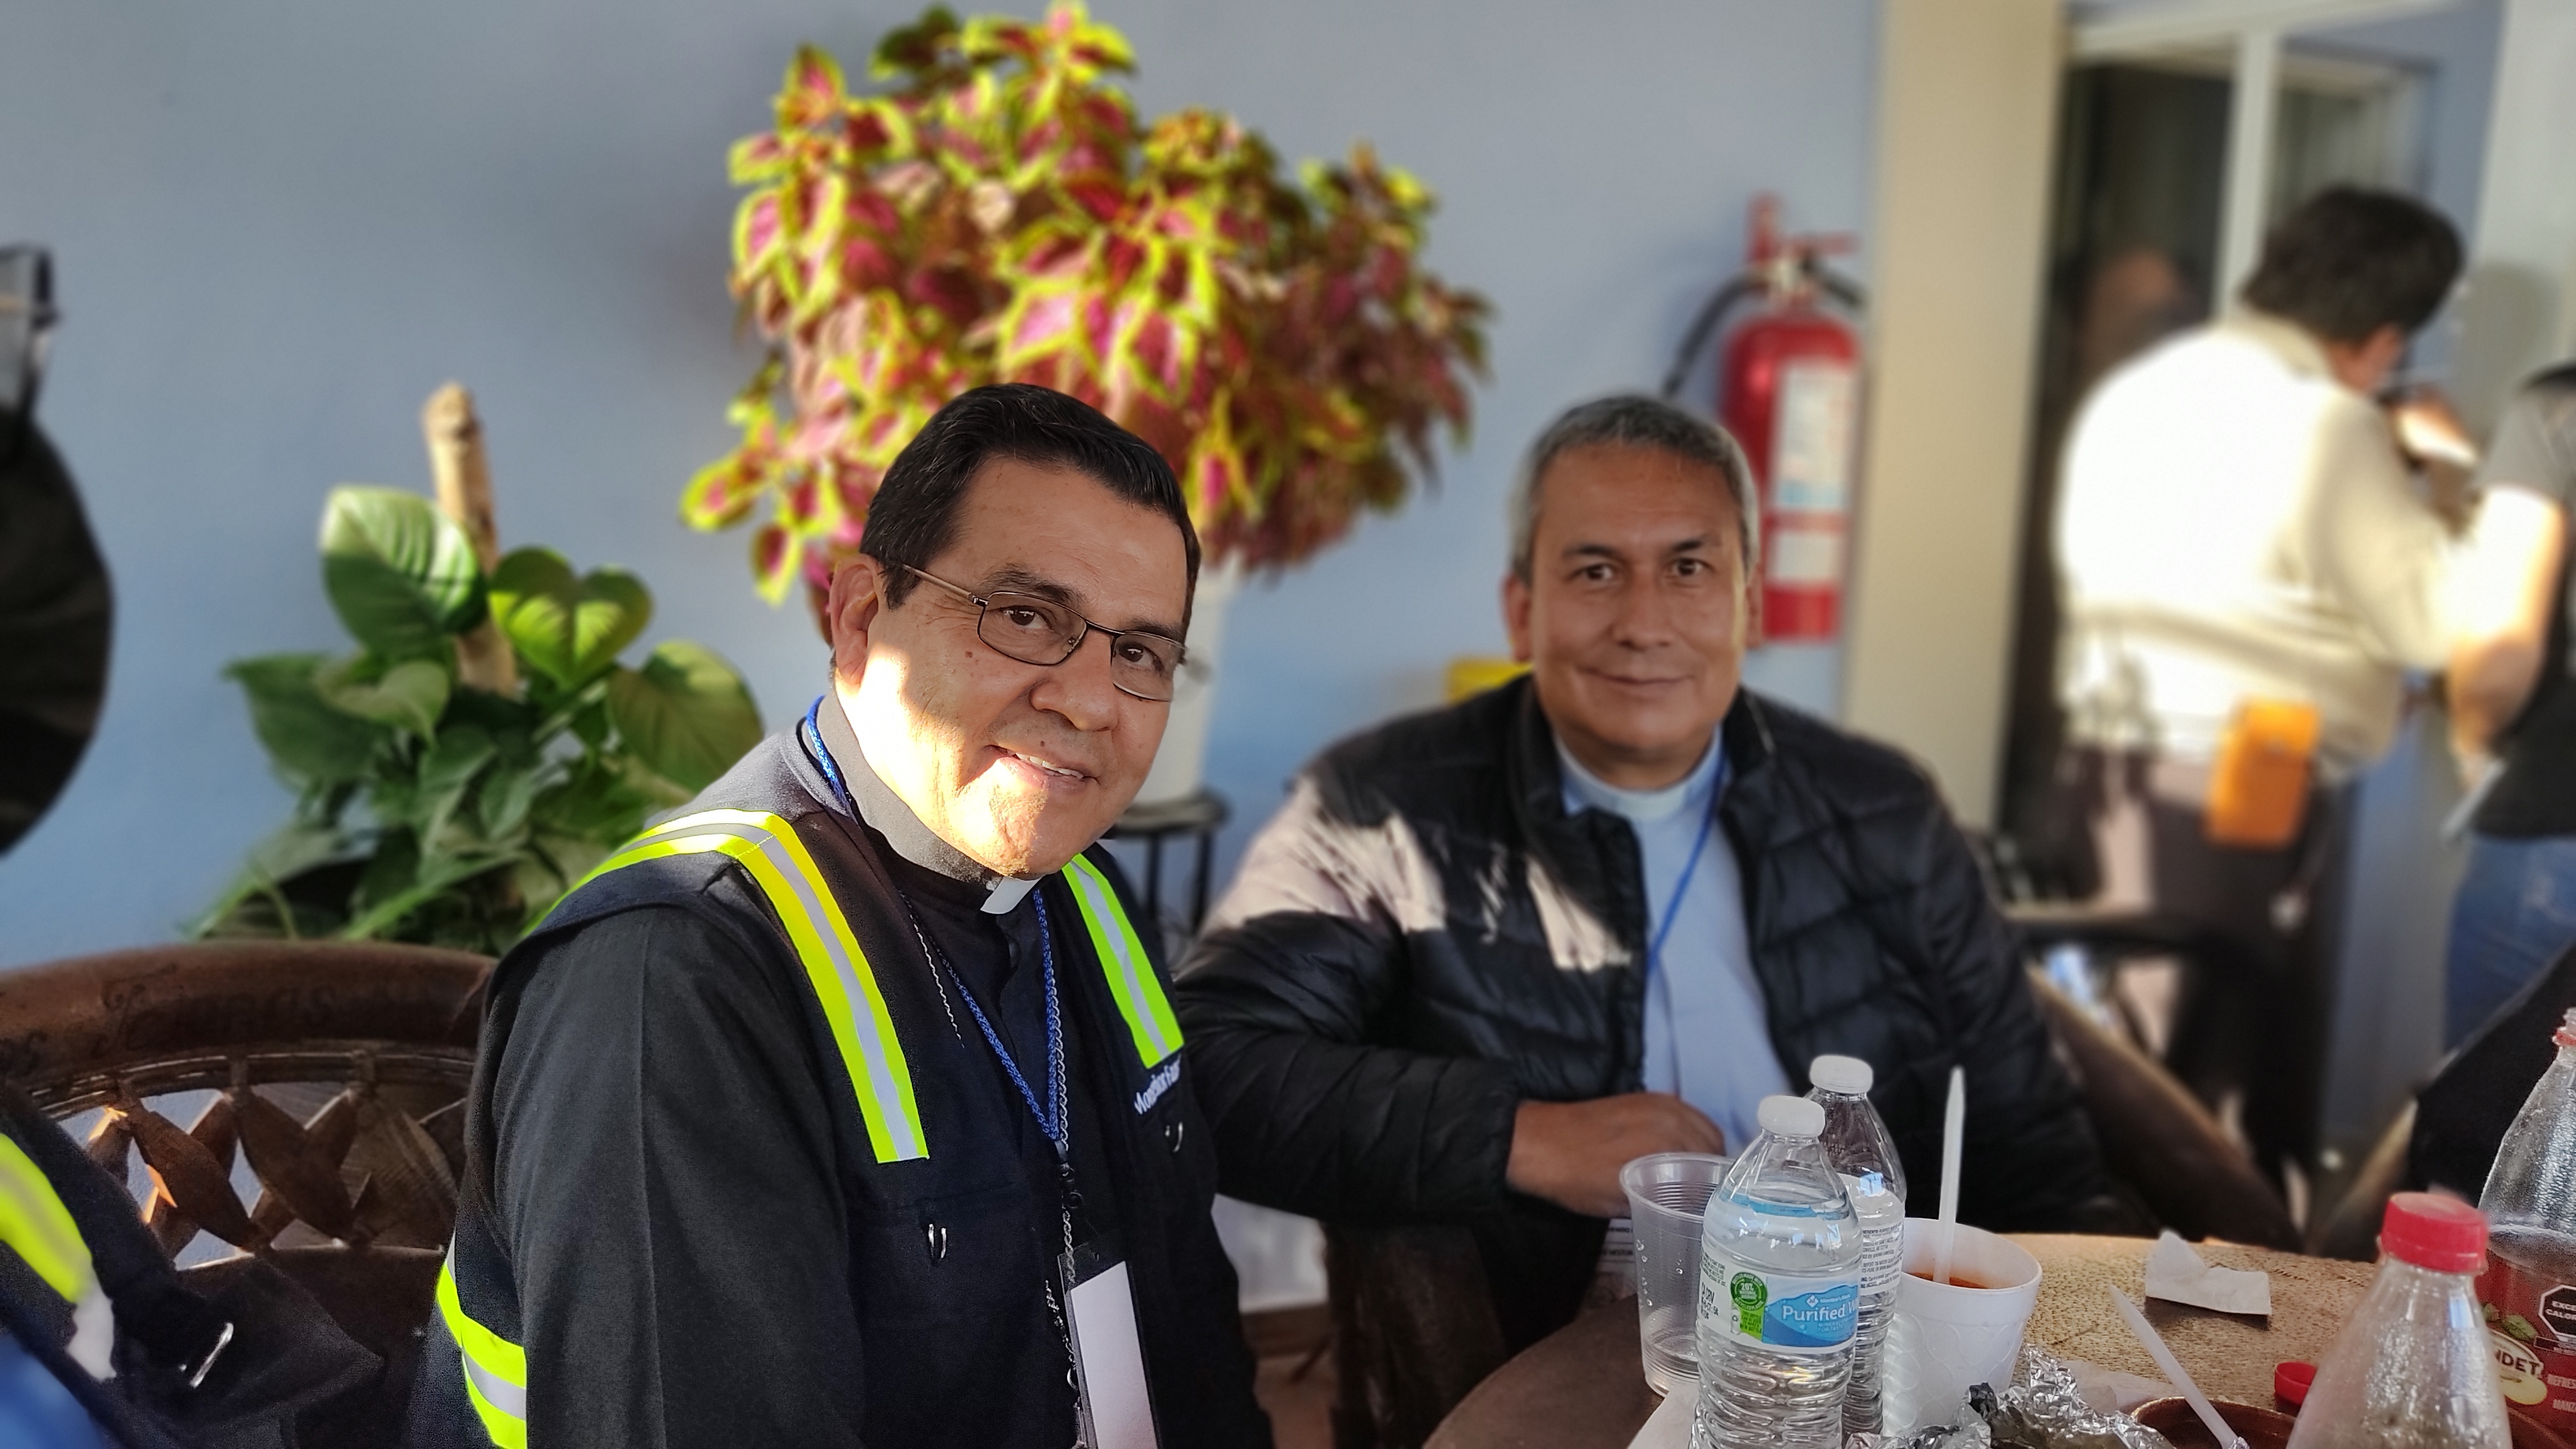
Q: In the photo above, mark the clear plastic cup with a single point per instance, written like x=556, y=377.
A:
x=1667, y=1194
x=1944, y=1339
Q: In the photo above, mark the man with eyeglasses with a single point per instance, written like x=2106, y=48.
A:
x=847, y=1107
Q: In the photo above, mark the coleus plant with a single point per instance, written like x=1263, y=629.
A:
x=430, y=810
x=999, y=213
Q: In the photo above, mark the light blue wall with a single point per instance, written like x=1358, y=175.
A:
x=280, y=224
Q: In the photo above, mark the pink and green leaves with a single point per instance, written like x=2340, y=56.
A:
x=1000, y=214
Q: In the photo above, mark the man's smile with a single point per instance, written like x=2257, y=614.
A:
x=1629, y=681
x=1050, y=771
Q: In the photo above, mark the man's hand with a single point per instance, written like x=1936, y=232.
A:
x=1570, y=1152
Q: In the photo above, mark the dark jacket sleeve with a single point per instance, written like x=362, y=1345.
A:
x=2031, y=1161
x=1281, y=1001
x=665, y=1190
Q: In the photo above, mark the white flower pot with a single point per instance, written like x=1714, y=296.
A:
x=1180, y=767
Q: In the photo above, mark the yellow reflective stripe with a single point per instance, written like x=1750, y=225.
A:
x=496, y=1370
x=34, y=1222
x=768, y=849
x=1124, y=962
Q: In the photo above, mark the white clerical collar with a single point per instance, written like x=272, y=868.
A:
x=1644, y=807
x=887, y=815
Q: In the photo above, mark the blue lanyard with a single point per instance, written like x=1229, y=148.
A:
x=1051, y=1116
x=810, y=735
x=1690, y=867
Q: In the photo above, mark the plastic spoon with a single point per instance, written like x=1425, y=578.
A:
x=2154, y=1343
x=1954, y=1122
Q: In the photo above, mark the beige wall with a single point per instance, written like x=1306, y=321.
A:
x=1967, y=113
x=2521, y=307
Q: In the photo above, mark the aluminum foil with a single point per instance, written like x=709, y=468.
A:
x=2044, y=1409
x=2041, y=1409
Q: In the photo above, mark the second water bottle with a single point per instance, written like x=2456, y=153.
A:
x=1857, y=1144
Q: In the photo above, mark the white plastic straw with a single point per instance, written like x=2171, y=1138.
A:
x=1954, y=1123
x=2154, y=1343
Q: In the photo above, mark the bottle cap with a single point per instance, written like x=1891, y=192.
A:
x=2440, y=1233
x=2290, y=1381
x=2565, y=1035
x=1791, y=1117
x=1849, y=1076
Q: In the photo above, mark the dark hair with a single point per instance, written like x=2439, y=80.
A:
x=1633, y=420
x=913, y=517
x=2349, y=262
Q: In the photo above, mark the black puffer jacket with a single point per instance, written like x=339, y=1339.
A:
x=1423, y=937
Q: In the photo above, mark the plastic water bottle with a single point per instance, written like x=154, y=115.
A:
x=2527, y=1294
x=1857, y=1144
x=1779, y=1292
x=2411, y=1368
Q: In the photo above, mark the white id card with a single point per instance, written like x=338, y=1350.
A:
x=1106, y=1354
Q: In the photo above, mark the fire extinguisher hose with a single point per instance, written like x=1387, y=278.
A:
x=1833, y=284
x=1701, y=326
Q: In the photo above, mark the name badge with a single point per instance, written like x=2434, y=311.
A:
x=1108, y=1359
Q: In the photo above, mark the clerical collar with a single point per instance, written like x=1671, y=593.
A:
x=887, y=815
x=1645, y=807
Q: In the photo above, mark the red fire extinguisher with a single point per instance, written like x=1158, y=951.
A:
x=1789, y=390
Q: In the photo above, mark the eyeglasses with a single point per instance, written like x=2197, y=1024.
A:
x=27, y=318
x=1037, y=630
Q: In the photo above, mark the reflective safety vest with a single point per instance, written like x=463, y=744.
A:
x=40, y=1230
x=767, y=848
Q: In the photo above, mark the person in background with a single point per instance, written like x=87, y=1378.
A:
x=2512, y=692
x=785, y=1123
x=1485, y=956
x=2248, y=572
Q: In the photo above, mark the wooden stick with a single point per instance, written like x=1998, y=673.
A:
x=463, y=478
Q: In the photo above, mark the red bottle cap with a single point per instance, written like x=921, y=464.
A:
x=2290, y=1381
x=2440, y=1233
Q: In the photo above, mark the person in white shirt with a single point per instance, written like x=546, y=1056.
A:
x=2241, y=534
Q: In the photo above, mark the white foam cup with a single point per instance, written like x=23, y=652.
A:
x=1945, y=1339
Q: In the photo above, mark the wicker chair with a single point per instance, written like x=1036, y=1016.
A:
x=322, y=1084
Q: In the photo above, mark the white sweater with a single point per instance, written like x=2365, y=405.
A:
x=2234, y=523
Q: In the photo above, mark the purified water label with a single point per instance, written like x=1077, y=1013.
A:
x=1777, y=1310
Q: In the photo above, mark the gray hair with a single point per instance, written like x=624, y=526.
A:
x=1633, y=420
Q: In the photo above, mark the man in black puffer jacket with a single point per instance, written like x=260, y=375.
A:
x=1486, y=955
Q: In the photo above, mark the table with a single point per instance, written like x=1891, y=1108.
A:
x=1584, y=1387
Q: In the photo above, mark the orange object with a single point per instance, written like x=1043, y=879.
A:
x=2258, y=785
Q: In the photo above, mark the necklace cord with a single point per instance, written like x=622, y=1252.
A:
x=1690, y=867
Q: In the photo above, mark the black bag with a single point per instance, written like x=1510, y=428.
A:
x=257, y=1365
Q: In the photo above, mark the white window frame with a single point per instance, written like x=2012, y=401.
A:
x=2250, y=32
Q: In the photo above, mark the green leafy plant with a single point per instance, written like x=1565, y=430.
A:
x=1001, y=214
x=429, y=810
